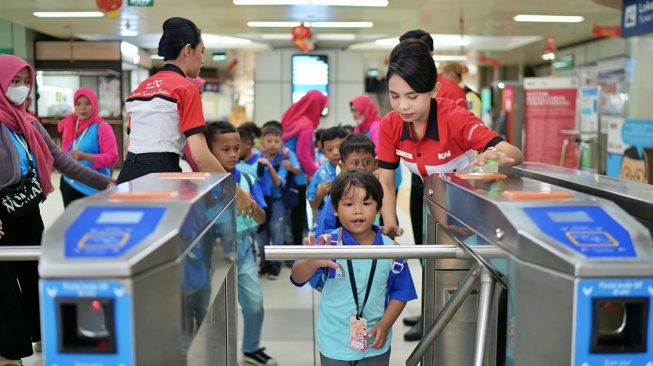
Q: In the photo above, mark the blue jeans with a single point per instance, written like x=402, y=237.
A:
x=250, y=293
x=275, y=230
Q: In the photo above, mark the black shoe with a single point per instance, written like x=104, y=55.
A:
x=414, y=333
x=274, y=271
x=259, y=358
x=412, y=320
x=264, y=268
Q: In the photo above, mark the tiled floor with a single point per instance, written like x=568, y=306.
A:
x=289, y=311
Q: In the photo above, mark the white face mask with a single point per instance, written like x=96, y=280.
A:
x=358, y=120
x=17, y=95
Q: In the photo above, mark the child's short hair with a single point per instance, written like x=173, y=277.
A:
x=218, y=128
x=272, y=123
x=318, y=134
x=356, y=142
x=256, y=132
x=333, y=133
x=348, y=128
x=356, y=178
x=272, y=130
x=245, y=133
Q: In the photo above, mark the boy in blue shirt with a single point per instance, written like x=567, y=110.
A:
x=356, y=152
x=320, y=184
x=274, y=164
x=363, y=338
x=224, y=142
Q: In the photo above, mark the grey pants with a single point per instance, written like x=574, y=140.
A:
x=380, y=360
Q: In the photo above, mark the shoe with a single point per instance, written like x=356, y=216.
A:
x=412, y=320
x=289, y=264
x=6, y=362
x=414, y=333
x=259, y=358
x=273, y=274
x=37, y=347
x=264, y=268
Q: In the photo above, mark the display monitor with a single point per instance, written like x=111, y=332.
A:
x=310, y=72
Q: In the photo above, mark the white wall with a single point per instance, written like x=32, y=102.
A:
x=272, y=84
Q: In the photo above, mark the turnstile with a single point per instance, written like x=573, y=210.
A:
x=578, y=274
x=134, y=275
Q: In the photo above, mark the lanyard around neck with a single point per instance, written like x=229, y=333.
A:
x=78, y=139
x=354, y=290
x=25, y=146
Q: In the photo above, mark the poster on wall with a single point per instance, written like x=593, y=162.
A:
x=550, y=121
x=630, y=149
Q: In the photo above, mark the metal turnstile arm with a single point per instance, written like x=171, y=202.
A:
x=449, y=310
x=16, y=253
x=485, y=307
x=438, y=251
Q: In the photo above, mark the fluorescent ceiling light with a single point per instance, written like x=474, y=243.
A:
x=212, y=39
x=68, y=14
x=156, y=57
x=276, y=36
x=128, y=33
x=439, y=58
x=311, y=24
x=376, y=3
x=549, y=18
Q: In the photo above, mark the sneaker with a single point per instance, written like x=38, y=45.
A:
x=264, y=268
x=259, y=358
x=37, y=347
x=273, y=273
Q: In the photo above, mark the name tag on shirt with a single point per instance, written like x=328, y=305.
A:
x=403, y=154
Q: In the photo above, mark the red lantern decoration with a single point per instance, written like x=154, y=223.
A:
x=110, y=7
x=300, y=36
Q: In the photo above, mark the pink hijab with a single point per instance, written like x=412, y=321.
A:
x=305, y=114
x=67, y=125
x=19, y=121
x=368, y=111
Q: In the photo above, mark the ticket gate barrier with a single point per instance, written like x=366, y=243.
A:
x=578, y=273
x=134, y=275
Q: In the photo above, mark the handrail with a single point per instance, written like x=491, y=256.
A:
x=16, y=253
x=289, y=252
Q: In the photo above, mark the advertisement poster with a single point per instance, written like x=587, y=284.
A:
x=630, y=149
x=550, y=121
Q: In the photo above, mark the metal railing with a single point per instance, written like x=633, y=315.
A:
x=479, y=272
x=15, y=253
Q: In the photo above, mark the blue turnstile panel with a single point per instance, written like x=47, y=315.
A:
x=91, y=321
x=588, y=230
x=613, y=322
x=101, y=232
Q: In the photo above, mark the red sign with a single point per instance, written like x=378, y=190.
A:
x=550, y=120
x=605, y=31
x=489, y=61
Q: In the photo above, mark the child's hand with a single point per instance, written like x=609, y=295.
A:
x=323, y=188
x=324, y=239
x=263, y=161
x=380, y=331
x=286, y=164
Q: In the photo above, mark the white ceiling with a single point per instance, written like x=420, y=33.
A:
x=487, y=24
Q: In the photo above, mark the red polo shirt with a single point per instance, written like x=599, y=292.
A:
x=451, y=90
x=450, y=132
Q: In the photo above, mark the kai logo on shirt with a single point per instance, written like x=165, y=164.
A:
x=340, y=272
x=444, y=155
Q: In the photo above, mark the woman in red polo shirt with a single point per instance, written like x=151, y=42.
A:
x=430, y=135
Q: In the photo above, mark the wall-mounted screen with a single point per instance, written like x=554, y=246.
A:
x=310, y=72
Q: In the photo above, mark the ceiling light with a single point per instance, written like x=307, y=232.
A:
x=156, y=57
x=311, y=24
x=213, y=39
x=276, y=36
x=128, y=33
x=549, y=56
x=549, y=18
x=376, y=3
x=439, y=58
x=68, y=14
x=219, y=56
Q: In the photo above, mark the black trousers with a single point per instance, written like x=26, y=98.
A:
x=138, y=165
x=20, y=319
x=68, y=193
x=417, y=208
x=298, y=218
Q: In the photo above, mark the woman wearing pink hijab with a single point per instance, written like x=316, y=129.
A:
x=299, y=123
x=28, y=155
x=88, y=139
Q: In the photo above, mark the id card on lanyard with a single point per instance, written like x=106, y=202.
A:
x=358, y=324
x=77, y=141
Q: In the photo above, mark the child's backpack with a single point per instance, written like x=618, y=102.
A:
x=290, y=190
x=317, y=282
